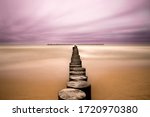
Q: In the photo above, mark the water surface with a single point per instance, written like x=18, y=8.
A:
x=39, y=72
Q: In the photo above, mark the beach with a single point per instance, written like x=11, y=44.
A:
x=117, y=72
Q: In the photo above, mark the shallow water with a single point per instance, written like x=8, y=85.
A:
x=39, y=72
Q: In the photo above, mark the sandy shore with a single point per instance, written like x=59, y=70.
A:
x=39, y=72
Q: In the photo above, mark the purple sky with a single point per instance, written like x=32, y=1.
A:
x=74, y=21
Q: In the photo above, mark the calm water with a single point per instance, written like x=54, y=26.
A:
x=39, y=72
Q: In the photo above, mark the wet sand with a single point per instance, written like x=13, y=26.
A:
x=39, y=72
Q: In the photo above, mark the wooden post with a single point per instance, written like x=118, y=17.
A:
x=78, y=77
x=74, y=66
x=77, y=69
x=71, y=94
x=77, y=73
x=81, y=85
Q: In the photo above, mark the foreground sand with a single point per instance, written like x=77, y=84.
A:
x=39, y=72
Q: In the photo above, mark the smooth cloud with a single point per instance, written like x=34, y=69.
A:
x=74, y=21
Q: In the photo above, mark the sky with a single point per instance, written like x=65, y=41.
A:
x=74, y=21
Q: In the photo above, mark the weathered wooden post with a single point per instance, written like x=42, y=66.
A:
x=74, y=66
x=71, y=94
x=81, y=85
x=77, y=69
x=77, y=73
x=78, y=77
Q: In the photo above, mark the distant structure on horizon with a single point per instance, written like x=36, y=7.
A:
x=70, y=44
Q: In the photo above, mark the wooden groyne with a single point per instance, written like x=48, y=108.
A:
x=78, y=87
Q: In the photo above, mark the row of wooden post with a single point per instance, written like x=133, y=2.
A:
x=78, y=87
